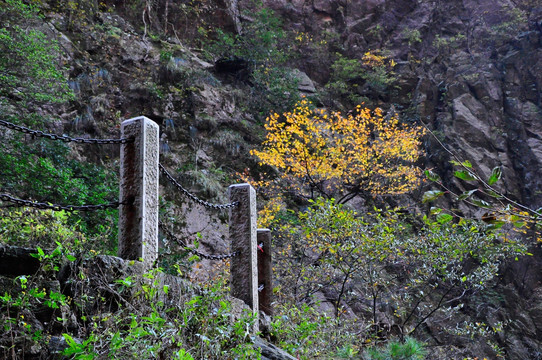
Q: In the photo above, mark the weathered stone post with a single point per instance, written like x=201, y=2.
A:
x=244, y=268
x=265, y=271
x=138, y=217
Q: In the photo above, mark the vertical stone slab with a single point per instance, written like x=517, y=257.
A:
x=265, y=271
x=138, y=217
x=244, y=268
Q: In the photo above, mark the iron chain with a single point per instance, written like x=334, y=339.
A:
x=64, y=138
x=56, y=207
x=170, y=237
x=194, y=197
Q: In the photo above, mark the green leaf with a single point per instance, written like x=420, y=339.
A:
x=493, y=194
x=73, y=348
x=466, y=194
x=496, y=174
x=194, y=258
x=432, y=176
x=444, y=218
x=519, y=224
x=465, y=175
x=496, y=225
x=481, y=203
x=70, y=257
x=435, y=210
x=431, y=195
x=467, y=164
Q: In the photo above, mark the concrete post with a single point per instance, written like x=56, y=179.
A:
x=265, y=271
x=138, y=221
x=244, y=269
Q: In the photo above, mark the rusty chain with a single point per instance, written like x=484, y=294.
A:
x=56, y=207
x=63, y=138
x=194, y=197
x=170, y=237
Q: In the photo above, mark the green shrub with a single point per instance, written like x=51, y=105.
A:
x=308, y=333
x=375, y=69
x=44, y=228
x=43, y=170
x=410, y=349
x=380, y=258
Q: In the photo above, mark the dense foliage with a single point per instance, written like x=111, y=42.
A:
x=379, y=261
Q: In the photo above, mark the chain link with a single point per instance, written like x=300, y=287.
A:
x=64, y=138
x=194, y=197
x=170, y=237
x=56, y=207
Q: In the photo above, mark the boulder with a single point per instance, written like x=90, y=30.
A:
x=305, y=84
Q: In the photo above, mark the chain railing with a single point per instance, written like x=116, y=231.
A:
x=57, y=207
x=192, y=196
x=138, y=215
x=169, y=236
x=64, y=138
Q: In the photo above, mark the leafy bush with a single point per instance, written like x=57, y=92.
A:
x=42, y=228
x=378, y=70
x=43, y=170
x=308, y=333
x=413, y=36
x=346, y=78
x=375, y=69
x=378, y=261
x=130, y=318
x=411, y=349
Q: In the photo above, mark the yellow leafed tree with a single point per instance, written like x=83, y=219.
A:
x=361, y=153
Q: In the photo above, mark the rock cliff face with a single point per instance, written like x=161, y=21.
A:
x=471, y=70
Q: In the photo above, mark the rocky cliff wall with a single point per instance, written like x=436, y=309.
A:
x=471, y=70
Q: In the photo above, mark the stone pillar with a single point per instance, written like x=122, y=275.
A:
x=244, y=269
x=265, y=271
x=138, y=217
